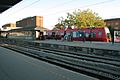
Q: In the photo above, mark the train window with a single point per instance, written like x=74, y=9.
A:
x=61, y=33
x=93, y=34
x=74, y=34
x=48, y=33
x=100, y=34
x=53, y=33
x=77, y=34
x=81, y=34
x=86, y=35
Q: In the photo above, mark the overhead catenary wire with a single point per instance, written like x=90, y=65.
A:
x=23, y=8
x=29, y=5
x=94, y=4
x=33, y=4
x=40, y=10
x=59, y=5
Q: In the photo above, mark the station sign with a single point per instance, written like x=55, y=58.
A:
x=117, y=35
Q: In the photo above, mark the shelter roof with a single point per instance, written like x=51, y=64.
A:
x=6, y=4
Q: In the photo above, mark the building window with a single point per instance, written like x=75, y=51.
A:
x=116, y=23
x=108, y=24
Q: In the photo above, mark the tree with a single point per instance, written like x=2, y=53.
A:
x=88, y=18
x=83, y=19
x=58, y=26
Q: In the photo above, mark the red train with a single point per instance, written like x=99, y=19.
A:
x=85, y=34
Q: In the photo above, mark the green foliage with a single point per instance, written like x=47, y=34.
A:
x=88, y=18
x=58, y=26
x=83, y=19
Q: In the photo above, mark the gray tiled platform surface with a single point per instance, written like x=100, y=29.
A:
x=97, y=45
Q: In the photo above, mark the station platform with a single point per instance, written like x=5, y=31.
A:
x=16, y=66
x=100, y=48
x=87, y=44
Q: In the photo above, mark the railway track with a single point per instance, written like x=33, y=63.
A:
x=96, y=66
x=95, y=58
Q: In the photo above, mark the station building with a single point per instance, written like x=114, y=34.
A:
x=34, y=23
x=8, y=26
x=114, y=23
x=27, y=28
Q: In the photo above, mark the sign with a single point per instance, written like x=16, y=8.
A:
x=116, y=35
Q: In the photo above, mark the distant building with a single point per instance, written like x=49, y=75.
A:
x=8, y=26
x=35, y=21
x=27, y=28
x=115, y=23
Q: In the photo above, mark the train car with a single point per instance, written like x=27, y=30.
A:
x=55, y=34
x=96, y=34
x=50, y=34
x=84, y=34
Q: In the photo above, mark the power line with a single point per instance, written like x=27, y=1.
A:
x=23, y=8
x=41, y=10
x=28, y=5
x=59, y=5
x=35, y=3
x=103, y=2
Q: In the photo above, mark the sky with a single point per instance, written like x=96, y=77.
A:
x=51, y=10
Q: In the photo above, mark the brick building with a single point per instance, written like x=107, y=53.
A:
x=35, y=21
x=115, y=23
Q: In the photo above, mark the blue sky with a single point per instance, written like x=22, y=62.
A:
x=51, y=10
